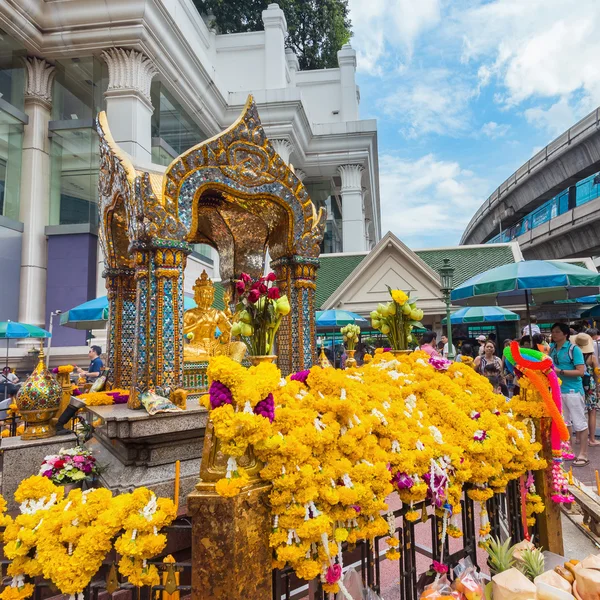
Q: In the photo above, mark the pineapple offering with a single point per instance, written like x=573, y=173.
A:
x=519, y=574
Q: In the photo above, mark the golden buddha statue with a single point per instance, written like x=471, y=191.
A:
x=200, y=326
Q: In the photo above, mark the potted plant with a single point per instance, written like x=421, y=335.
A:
x=259, y=311
x=70, y=467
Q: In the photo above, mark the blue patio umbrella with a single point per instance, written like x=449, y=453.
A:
x=93, y=314
x=339, y=318
x=482, y=314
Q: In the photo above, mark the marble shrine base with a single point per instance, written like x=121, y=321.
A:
x=137, y=449
x=23, y=458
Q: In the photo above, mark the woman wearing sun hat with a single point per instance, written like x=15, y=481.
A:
x=590, y=381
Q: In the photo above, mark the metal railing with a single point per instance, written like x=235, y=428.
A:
x=365, y=557
x=504, y=512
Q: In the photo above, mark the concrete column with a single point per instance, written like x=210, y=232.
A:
x=347, y=63
x=128, y=105
x=353, y=232
x=284, y=148
x=35, y=191
x=275, y=57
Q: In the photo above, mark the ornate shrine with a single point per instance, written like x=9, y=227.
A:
x=232, y=192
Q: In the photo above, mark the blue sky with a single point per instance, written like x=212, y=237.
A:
x=465, y=92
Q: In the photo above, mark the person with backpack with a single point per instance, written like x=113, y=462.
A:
x=570, y=368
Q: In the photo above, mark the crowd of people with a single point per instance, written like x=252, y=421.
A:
x=575, y=353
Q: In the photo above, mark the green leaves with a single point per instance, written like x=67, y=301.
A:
x=317, y=29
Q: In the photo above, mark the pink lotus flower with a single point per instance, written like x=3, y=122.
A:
x=240, y=287
x=271, y=277
x=245, y=277
x=253, y=296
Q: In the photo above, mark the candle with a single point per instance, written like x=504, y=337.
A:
x=176, y=494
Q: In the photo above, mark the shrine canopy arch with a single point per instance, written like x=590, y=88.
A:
x=235, y=193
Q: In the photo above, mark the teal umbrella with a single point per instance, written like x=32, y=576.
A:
x=591, y=312
x=482, y=314
x=339, y=318
x=93, y=314
x=14, y=330
x=526, y=281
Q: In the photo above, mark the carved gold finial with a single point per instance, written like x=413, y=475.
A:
x=203, y=280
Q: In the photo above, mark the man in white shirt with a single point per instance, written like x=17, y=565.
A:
x=445, y=342
x=534, y=328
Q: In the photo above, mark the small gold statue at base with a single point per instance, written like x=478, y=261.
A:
x=200, y=326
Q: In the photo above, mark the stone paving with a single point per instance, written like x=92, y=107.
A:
x=587, y=474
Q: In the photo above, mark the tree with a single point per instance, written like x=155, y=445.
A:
x=317, y=29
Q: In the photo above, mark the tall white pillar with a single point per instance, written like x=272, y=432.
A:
x=284, y=148
x=275, y=57
x=35, y=191
x=347, y=63
x=128, y=105
x=353, y=229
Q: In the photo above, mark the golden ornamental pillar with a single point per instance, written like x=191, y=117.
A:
x=121, y=292
x=296, y=340
x=158, y=352
x=231, y=556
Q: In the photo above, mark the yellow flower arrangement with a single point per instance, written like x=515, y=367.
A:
x=341, y=442
x=66, y=369
x=96, y=399
x=66, y=539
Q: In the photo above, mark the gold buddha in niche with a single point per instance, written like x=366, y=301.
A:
x=200, y=326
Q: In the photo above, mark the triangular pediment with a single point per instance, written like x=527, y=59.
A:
x=391, y=264
x=395, y=278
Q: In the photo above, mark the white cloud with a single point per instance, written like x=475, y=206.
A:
x=556, y=119
x=430, y=101
x=428, y=202
x=494, y=130
x=380, y=24
x=538, y=49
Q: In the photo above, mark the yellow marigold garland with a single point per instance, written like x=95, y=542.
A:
x=339, y=439
x=66, y=539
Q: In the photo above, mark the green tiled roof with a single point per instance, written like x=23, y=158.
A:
x=332, y=273
x=468, y=262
